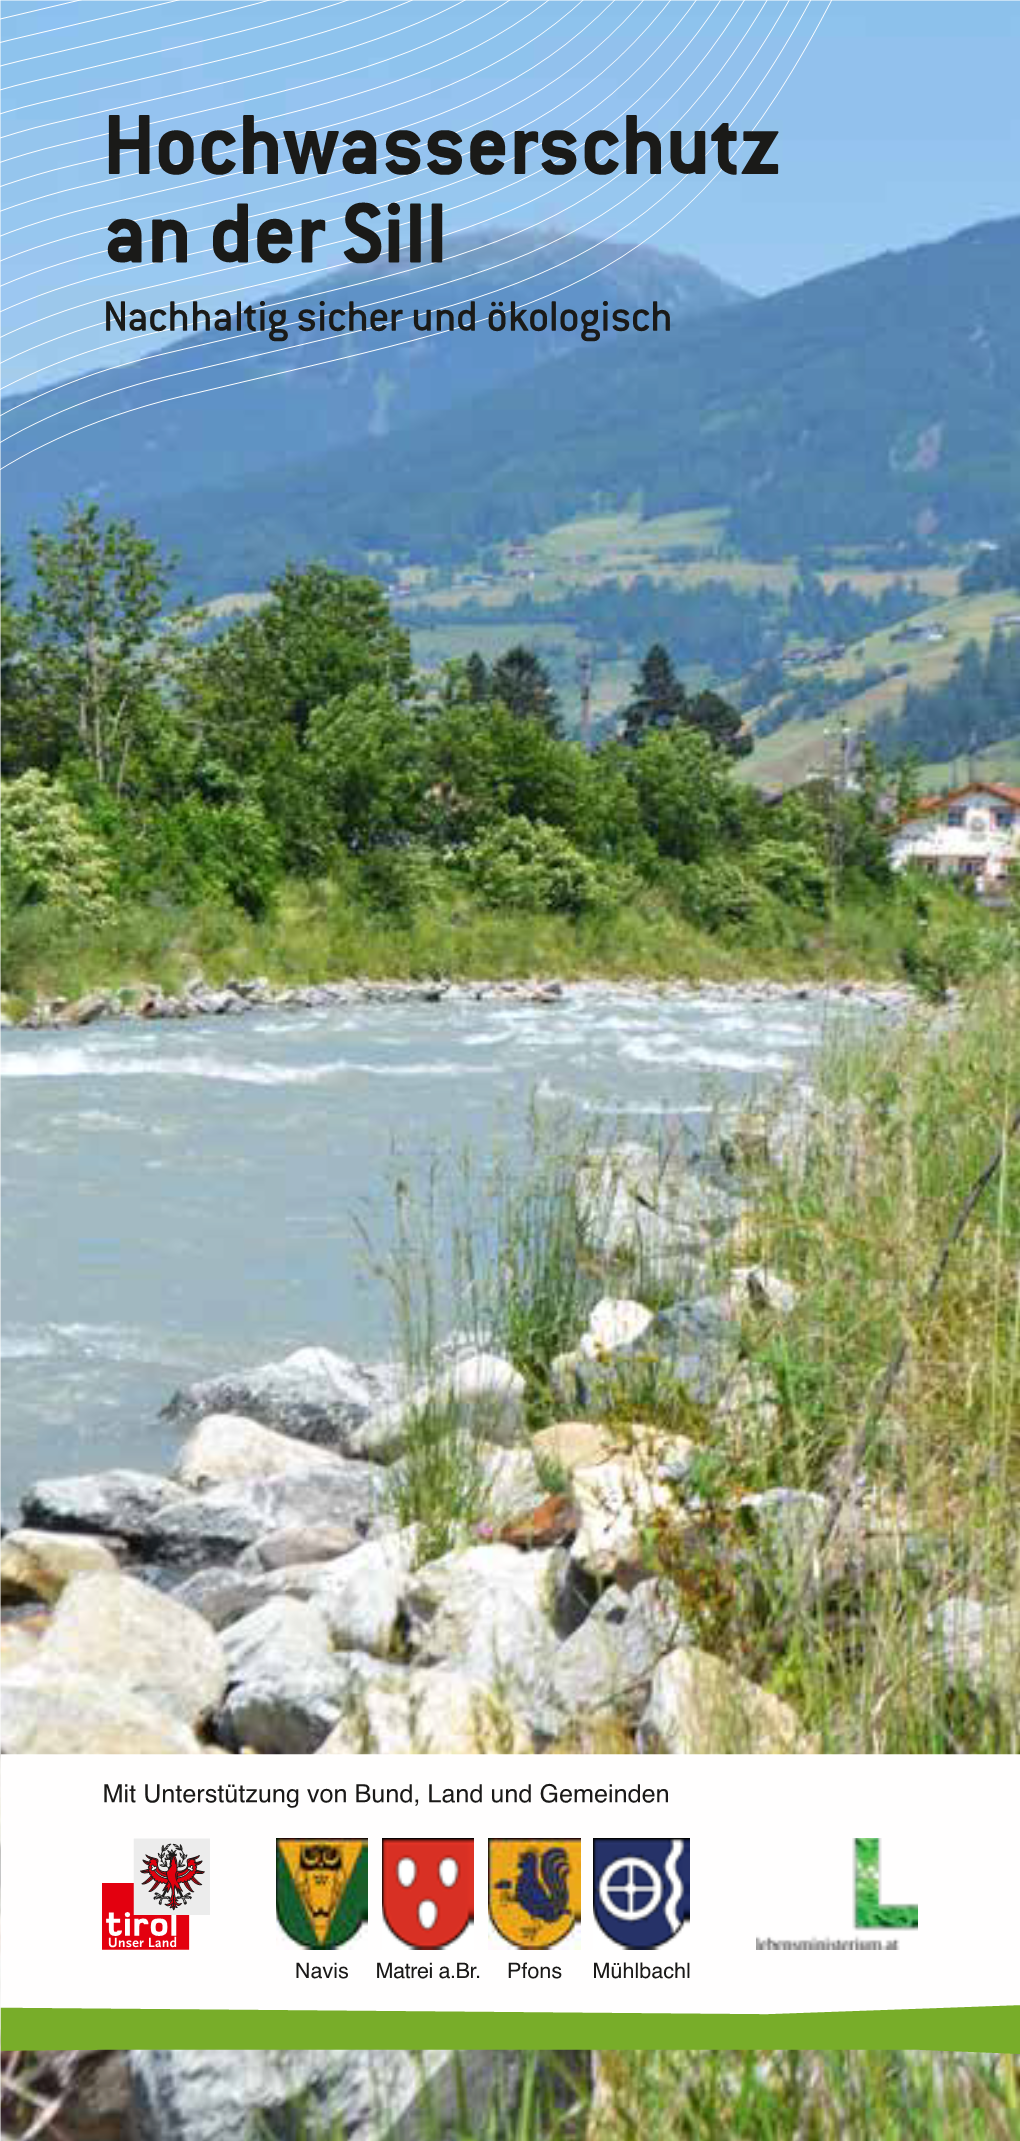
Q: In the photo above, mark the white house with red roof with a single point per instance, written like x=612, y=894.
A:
x=972, y=832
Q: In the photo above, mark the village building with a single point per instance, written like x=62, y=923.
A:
x=972, y=832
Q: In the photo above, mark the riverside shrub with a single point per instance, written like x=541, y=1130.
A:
x=51, y=855
x=720, y=894
x=215, y=851
x=794, y=871
x=517, y=864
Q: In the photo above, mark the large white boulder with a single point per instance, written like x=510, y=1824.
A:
x=121, y=1632
x=47, y=1712
x=569, y=1444
x=296, y=2096
x=480, y=1390
x=314, y=1394
x=221, y=1523
x=490, y=1613
x=359, y=1596
x=605, y=1668
x=287, y=1686
x=620, y=1500
x=474, y=1605
x=39, y=1564
x=123, y=1503
x=227, y=1446
x=699, y=1705
x=400, y=1710
x=650, y=1211
x=613, y=1323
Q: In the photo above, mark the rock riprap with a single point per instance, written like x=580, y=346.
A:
x=479, y=1388
x=38, y=1565
x=273, y=1596
x=314, y=1394
x=50, y=1712
x=364, y=2096
x=699, y=1705
x=199, y=998
x=654, y=1213
x=123, y=1633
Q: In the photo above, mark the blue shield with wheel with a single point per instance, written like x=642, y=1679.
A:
x=642, y=1888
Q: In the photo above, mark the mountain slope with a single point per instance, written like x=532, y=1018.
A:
x=283, y=402
x=877, y=405
x=924, y=665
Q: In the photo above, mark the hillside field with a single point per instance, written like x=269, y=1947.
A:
x=801, y=748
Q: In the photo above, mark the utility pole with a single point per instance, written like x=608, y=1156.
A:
x=846, y=756
x=584, y=667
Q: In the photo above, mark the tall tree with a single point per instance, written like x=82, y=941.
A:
x=476, y=680
x=721, y=721
x=658, y=697
x=521, y=682
x=365, y=752
x=99, y=658
x=22, y=740
x=320, y=635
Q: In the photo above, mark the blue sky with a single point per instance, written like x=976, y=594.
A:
x=896, y=122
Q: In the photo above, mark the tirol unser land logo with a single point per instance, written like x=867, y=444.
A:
x=152, y=1912
x=321, y=1888
x=534, y=1888
x=173, y=1876
x=127, y=1930
x=642, y=1888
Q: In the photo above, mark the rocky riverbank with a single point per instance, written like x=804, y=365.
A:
x=552, y=2096
x=238, y=2095
x=202, y=999
x=270, y=1596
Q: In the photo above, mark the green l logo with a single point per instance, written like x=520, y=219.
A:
x=869, y=1909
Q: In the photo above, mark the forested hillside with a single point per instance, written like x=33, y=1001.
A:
x=874, y=406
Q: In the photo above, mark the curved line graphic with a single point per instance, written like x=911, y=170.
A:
x=676, y=1888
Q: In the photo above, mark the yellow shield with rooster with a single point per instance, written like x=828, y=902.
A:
x=534, y=1888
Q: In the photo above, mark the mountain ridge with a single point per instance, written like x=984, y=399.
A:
x=194, y=437
x=872, y=407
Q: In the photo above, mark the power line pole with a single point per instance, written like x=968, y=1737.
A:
x=584, y=669
x=846, y=757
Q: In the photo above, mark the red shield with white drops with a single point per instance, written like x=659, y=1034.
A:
x=428, y=1888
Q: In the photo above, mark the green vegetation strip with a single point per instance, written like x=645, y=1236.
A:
x=288, y=797
x=948, y=2029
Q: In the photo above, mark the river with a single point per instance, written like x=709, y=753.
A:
x=184, y=1198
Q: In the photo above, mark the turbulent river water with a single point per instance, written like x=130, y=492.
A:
x=183, y=1198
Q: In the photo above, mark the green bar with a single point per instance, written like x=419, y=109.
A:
x=939, y=2029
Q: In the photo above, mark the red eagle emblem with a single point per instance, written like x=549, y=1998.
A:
x=171, y=1876
x=428, y=1888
